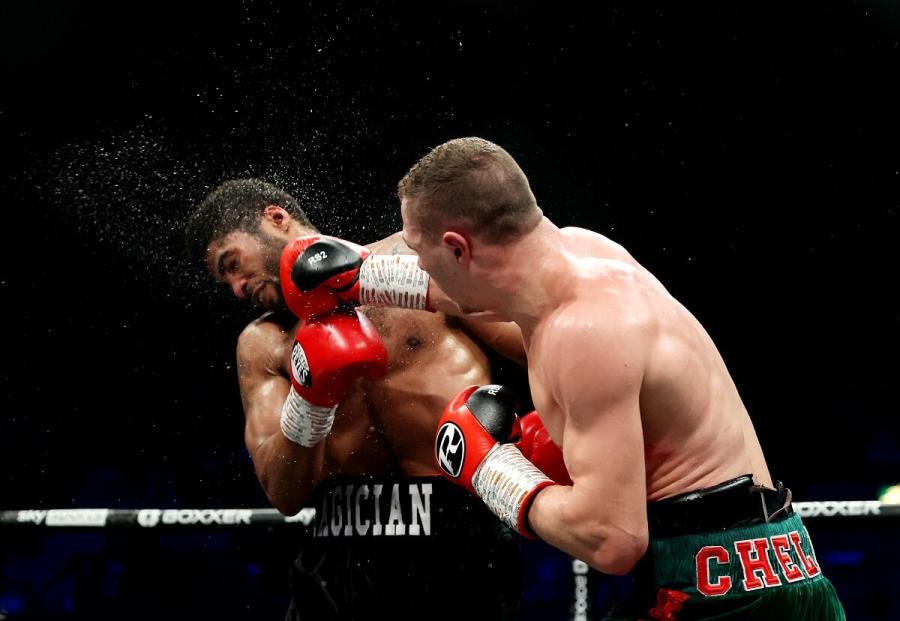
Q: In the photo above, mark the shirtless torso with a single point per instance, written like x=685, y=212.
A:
x=653, y=432
x=696, y=430
x=382, y=512
x=633, y=389
x=383, y=427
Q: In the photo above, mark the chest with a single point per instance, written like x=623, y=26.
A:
x=405, y=334
x=410, y=337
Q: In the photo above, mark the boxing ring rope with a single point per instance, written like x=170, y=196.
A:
x=267, y=517
x=149, y=520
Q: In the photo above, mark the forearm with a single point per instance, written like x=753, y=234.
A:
x=406, y=286
x=288, y=472
x=504, y=337
x=437, y=299
x=440, y=302
x=343, y=271
x=562, y=519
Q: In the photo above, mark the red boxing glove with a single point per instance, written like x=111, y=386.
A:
x=317, y=273
x=331, y=270
x=540, y=450
x=329, y=353
x=473, y=449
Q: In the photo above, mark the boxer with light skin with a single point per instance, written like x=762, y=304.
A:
x=625, y=379
x=666, y=467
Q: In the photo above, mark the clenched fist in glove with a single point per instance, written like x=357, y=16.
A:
x=329, y=353
x=319, y=272
x=475, y=448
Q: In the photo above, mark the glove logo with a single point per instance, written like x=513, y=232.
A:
x=300, y=366
x=319, y=256
x=450, y=447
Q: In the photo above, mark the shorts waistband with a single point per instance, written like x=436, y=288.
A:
x=390, y=507
x=733, y=504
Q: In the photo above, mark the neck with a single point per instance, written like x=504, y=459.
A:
x=525, y=277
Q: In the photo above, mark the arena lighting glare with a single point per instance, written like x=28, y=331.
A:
x=890, y=495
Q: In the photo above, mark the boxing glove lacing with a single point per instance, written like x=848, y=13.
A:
x=393, y=280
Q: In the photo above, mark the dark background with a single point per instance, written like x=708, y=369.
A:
x=745, y=153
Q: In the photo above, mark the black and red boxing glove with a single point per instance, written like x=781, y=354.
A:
x=322, y=266
x=539, y=449
x=474, y=449
x=329, y=353
x=312, y=272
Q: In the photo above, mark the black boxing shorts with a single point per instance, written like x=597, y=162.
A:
x=404, y=548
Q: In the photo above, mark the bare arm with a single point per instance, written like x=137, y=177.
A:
x=595, y=376
x=504, y=337
x=437, y=299
x=287, y=471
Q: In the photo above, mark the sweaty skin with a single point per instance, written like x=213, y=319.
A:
x=381, y=427
x=625, y=379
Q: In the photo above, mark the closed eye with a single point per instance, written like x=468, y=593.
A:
x=227, y=261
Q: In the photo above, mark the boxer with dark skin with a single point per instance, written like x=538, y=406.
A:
x=382, y=425
x=381, y=428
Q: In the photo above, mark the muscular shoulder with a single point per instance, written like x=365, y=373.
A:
x=591, y=344
x=392, y=244
x=597, y=322
x=266, y=328
x=263, y=340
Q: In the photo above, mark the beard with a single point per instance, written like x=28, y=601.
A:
x=271, y=248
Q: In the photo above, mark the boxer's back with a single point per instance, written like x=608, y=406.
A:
x=697, y=432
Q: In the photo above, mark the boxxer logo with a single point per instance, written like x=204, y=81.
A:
x=450, y=447
x=148, y=518
x=300, y=366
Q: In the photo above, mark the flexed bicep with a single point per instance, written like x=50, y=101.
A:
x=595, y=378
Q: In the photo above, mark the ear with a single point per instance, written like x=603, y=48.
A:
x=459, y=245
x=277, y=217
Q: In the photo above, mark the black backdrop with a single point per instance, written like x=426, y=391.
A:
x=746, y=153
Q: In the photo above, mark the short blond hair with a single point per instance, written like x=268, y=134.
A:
x=474, y=183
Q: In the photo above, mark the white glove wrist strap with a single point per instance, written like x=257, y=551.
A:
x=504, y=479
x=304, y=423
x=393, y=280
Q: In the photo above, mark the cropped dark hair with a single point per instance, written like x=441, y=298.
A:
x=236, y=205
x=471, y=182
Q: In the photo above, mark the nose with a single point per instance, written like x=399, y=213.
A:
x=238, y=288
